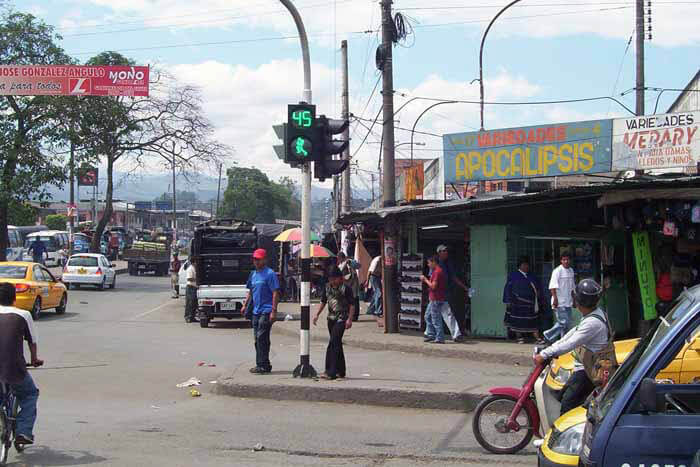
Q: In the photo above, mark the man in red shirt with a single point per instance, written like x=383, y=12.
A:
x=437, y=300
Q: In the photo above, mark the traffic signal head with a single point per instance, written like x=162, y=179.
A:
x=325, y=166
x=299, y=137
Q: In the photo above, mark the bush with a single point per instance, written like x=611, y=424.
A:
x=56, y=221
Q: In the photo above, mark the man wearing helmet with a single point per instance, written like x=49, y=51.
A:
x=592, y=335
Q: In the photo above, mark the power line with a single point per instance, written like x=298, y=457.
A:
x=619, y=71
x=539, y=5
x=369, y=130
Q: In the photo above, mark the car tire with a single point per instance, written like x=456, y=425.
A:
x=114, y=283
x=36, y=309
x=61, y=308
x=204, y=322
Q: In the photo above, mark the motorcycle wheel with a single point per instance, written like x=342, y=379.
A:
x=489, y=428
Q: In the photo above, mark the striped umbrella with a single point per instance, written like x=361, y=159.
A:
x=317, y=251
x=294, y=235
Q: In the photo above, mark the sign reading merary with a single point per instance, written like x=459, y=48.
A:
x=656, y=141
x=73, y=80
x=528, y=152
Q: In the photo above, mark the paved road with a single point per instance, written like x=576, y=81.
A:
x=109, y=398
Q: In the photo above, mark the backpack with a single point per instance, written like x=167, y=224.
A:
x=600, y=365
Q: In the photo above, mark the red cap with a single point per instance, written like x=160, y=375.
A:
x=259, y=254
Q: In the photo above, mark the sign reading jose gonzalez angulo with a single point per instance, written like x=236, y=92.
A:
x=656, y=141
x=528, y=152
x=73, y=80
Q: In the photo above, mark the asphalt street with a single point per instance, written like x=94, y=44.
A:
x=109, y=397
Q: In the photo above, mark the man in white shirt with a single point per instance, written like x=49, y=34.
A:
x=191, y=295
x=561, y=285
x=375, y=282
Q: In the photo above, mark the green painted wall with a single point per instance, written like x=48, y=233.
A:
x=488, y=276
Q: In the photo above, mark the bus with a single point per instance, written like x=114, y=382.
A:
x=15, y=242
x=54, y=240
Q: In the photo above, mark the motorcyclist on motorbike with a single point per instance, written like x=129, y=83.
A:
x=590, y=337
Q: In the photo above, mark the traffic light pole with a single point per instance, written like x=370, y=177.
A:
x=304, y=369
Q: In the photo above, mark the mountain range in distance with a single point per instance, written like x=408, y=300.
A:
x=147, y=187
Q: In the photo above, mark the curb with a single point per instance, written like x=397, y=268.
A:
x=453, y=401
x=121, y=271
x=450, y=351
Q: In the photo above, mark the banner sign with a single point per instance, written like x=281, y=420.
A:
x=88, y=176
x=656, y=141
x=528, y=152
x=433, y=186
x=645, y=273
x=73, y=80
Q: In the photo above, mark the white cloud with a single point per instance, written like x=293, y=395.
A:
x=673, y=24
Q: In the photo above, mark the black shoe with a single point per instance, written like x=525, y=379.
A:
x=24, y=439
x=260, y=371
x=428, y=339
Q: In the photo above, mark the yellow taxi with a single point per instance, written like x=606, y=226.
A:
x=558, y=451
x=37, y=289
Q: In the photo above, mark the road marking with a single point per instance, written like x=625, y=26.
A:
x=151, y=311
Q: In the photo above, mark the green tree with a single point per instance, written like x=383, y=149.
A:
x=169, y=125
x=250, y=195
x=56, y=221
x=21, y=213
x=28, y=124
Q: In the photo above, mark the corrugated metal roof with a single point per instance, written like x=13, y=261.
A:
x=506, y=199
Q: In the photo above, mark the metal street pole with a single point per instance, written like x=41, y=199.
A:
x=481, y=59
x=304, y=369
x=174, y=200
x=73, y=208
x=218, y=191
x=347, y=202
x=639, y=32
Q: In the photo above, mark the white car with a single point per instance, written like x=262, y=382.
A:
x=89, y=269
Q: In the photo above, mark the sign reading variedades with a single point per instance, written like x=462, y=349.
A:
x=73, y=80
x=656, y=141
x=527, y=152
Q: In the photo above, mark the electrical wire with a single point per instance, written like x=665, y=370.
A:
x=362, y=114
x=619, y=71
x=538, y=5
x=369, y=130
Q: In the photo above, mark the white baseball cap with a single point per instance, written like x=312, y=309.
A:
x=441, y=248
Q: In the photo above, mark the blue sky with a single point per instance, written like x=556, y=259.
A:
x=539, y=50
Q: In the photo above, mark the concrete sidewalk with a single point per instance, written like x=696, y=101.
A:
x=365, y=334
x=383, y=378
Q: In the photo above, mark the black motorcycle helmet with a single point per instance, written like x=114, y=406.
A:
x=588, y=293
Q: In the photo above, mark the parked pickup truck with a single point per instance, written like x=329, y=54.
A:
x=147, y=256
x=222, y=253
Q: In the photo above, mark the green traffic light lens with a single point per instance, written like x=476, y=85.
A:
x=301, y=147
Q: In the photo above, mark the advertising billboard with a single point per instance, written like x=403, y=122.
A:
x=433, y=185
x=528, y=152
x=73, y=80
x=656, y=141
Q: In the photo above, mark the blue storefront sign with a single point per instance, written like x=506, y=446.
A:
x=574, y=148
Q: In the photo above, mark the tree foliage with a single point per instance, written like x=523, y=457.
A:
x=250, y=195
x=56, y=221
x=28, y=124
x=21, y=213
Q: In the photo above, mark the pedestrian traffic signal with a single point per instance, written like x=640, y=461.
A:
x=281, y=149
x=327, y=147
x=299, y=134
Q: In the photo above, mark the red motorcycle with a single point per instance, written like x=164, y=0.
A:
x=506, y=421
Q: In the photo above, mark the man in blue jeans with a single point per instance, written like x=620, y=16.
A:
x=264, y=289
x=437, y=301
x=17, y=326
x=562, y=286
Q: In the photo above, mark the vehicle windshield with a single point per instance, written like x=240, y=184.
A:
x=13, y=272
x=226, y=238
x=83, y=261
x=643, y=348
x=49, y=242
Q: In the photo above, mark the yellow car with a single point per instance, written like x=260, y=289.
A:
x=561, y=441
x=37, y=289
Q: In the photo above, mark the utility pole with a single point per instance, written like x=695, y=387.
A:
x=218, y=192
x=174, y=200
x=639, y=31
x=346, y=197
x=389, y=278
x=304, y=369
x=73, y=208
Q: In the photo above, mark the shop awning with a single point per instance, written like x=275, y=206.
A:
x=624, y=196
